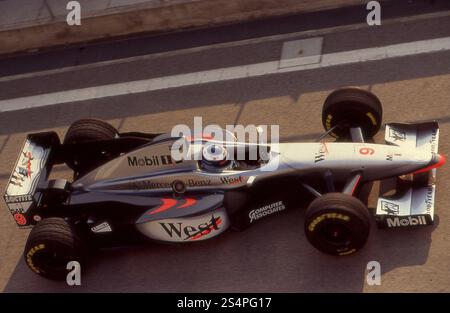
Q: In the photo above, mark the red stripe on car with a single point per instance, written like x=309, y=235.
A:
x=439, y=163
x=167, y=204
x=207, y=231
x=188, y=202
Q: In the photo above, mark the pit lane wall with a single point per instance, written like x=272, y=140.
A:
x=36, y=24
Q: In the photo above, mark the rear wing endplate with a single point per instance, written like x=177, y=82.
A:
x=32, y=168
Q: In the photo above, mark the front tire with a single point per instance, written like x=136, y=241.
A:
x=337, y=224
x=52, y=244
x=352, y=107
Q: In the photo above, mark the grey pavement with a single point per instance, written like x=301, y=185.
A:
x=36, y=25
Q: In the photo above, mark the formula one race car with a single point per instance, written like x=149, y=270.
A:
x=129, y=186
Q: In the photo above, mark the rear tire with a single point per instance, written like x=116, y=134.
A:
x=89, y=129
x=83, y=131
x=352, y=107
x=337, y=224
x=53, y=243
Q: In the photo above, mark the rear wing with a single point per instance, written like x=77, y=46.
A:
x=22, y=194
x=413, y=205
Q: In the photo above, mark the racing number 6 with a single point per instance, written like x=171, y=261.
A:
x=366, y=151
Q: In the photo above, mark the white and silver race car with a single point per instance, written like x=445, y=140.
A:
x=128, y=186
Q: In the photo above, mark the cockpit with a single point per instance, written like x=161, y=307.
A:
x=217, y=157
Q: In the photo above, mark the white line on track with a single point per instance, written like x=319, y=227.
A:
x=308, y=33
x=224, y=74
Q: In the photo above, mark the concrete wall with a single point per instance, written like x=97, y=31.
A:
x=46, y=26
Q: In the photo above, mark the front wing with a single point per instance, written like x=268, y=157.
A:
x=413, y=205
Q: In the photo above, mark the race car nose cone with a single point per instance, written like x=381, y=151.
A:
x=441, y=160
x=436, y=161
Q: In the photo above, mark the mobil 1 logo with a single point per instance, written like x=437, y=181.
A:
x=406, y=221
x=153, y=160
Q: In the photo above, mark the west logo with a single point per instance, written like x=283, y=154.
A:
x=231, y=180
x=189, y=232
x=150, y=161
x=406, y=221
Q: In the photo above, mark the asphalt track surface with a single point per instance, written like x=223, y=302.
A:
x=274, y=255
